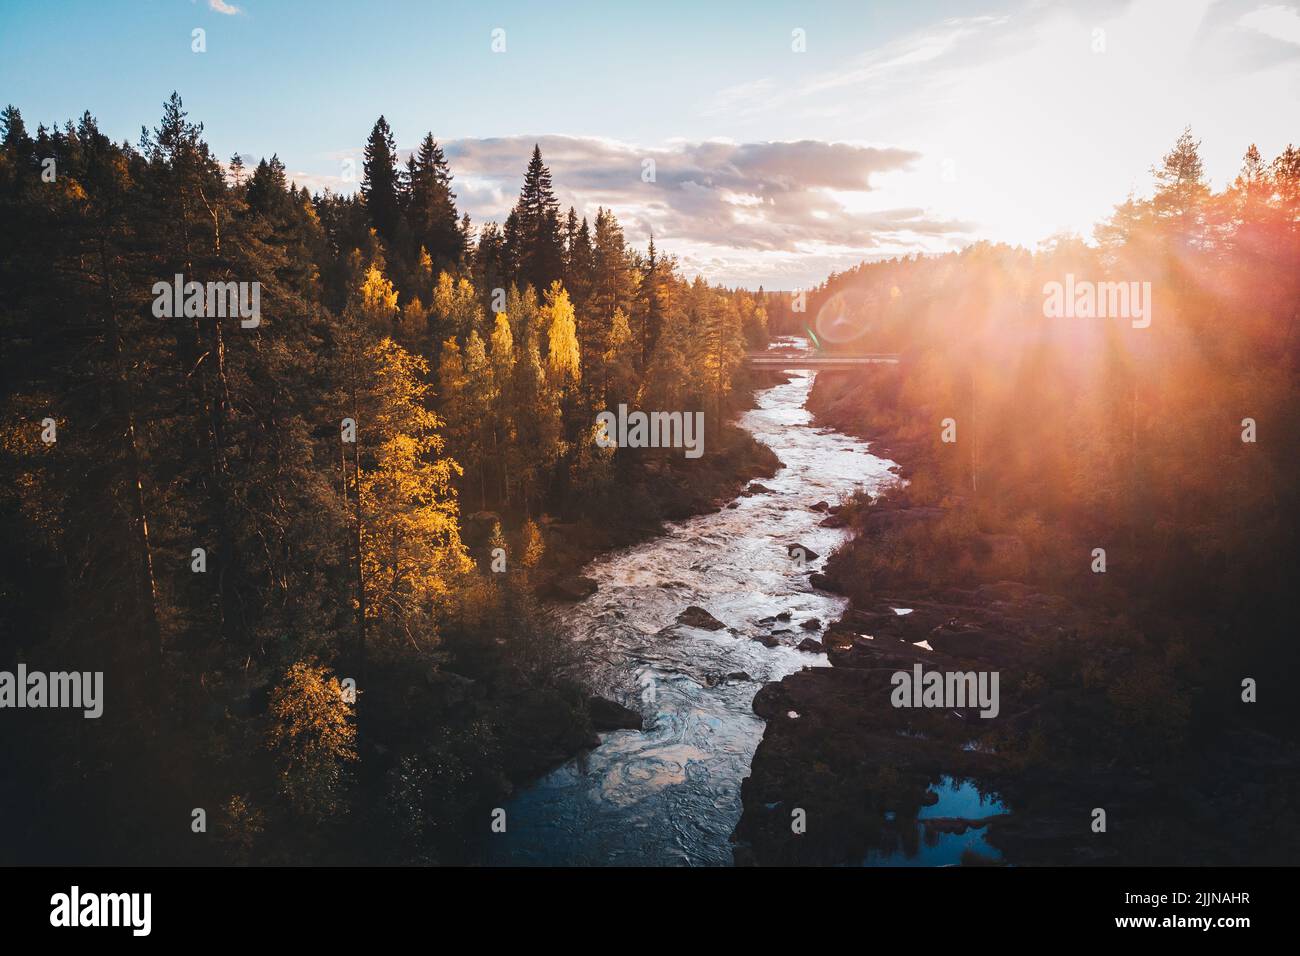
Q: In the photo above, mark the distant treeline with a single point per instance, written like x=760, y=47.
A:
x=1169, y=439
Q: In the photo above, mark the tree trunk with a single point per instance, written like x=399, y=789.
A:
x=146, y=582
x=356, y=544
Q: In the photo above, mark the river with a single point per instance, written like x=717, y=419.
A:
x=670, y=794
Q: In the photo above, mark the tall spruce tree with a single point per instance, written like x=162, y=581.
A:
x=431, y=206
x=541, y=252
x=380, y=186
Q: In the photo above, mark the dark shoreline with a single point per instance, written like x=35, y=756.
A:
x=850, y=758
x=562, y=723
x=669, y=488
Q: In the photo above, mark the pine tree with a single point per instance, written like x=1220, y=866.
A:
x=570, y=242
x=16, y=141
x=491, y=262
x=539, y=243
x=613, y=280
x=514, y=252
x=431, y=208
x=380, y=184
x=190, y=208
x=1181, y=191
x=582, y=265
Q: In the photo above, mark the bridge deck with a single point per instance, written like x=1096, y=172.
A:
x=767, y=360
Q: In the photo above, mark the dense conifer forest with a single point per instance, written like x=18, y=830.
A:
x=276, y=535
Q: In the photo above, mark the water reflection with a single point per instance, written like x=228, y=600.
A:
x=947, y=840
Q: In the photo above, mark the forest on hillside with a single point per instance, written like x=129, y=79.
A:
x=276, y=536
x=1105, y=429
x=1166, y=441
x=310, y=546
x=1100, y=508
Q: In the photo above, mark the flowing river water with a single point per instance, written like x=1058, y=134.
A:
x=670, y=794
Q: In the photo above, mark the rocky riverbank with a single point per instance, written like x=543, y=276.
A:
x=1092, y=715
x=536, y=728
x=666, y=488
x=654, y=486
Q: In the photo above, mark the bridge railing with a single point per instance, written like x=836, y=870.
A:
x=768, y=360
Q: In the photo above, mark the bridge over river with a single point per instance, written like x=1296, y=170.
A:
x=817, y=362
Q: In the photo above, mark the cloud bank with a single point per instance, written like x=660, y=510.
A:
x=735, y=211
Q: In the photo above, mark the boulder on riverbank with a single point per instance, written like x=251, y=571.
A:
x=824, y=583
x=572, y=588
x=540, y=729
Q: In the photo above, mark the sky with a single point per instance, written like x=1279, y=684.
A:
x=786, y=140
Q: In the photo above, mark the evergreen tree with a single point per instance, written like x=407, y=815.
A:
x=650, y=304
x=491, y=262
x=431, y=208
x=539, y=245
x=16, y=141
x=380, y=185
x=1181, y=191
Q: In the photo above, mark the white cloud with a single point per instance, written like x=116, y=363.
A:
x=773, y=213
x=760, y=196
x=1280, y=23
x=1010, y=128
x=220, y=6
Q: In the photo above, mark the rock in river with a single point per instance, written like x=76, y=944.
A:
x=695, y=616
x=609, y=715
x=573, y=588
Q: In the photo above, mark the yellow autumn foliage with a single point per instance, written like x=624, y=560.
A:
x=313, y=737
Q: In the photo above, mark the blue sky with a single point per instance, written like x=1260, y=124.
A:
x=310, y=77
x=920, y=126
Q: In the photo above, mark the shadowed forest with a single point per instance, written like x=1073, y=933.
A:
x=1104, y=509
x=1077, y=433
x=311, y=553
x=468, y=361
